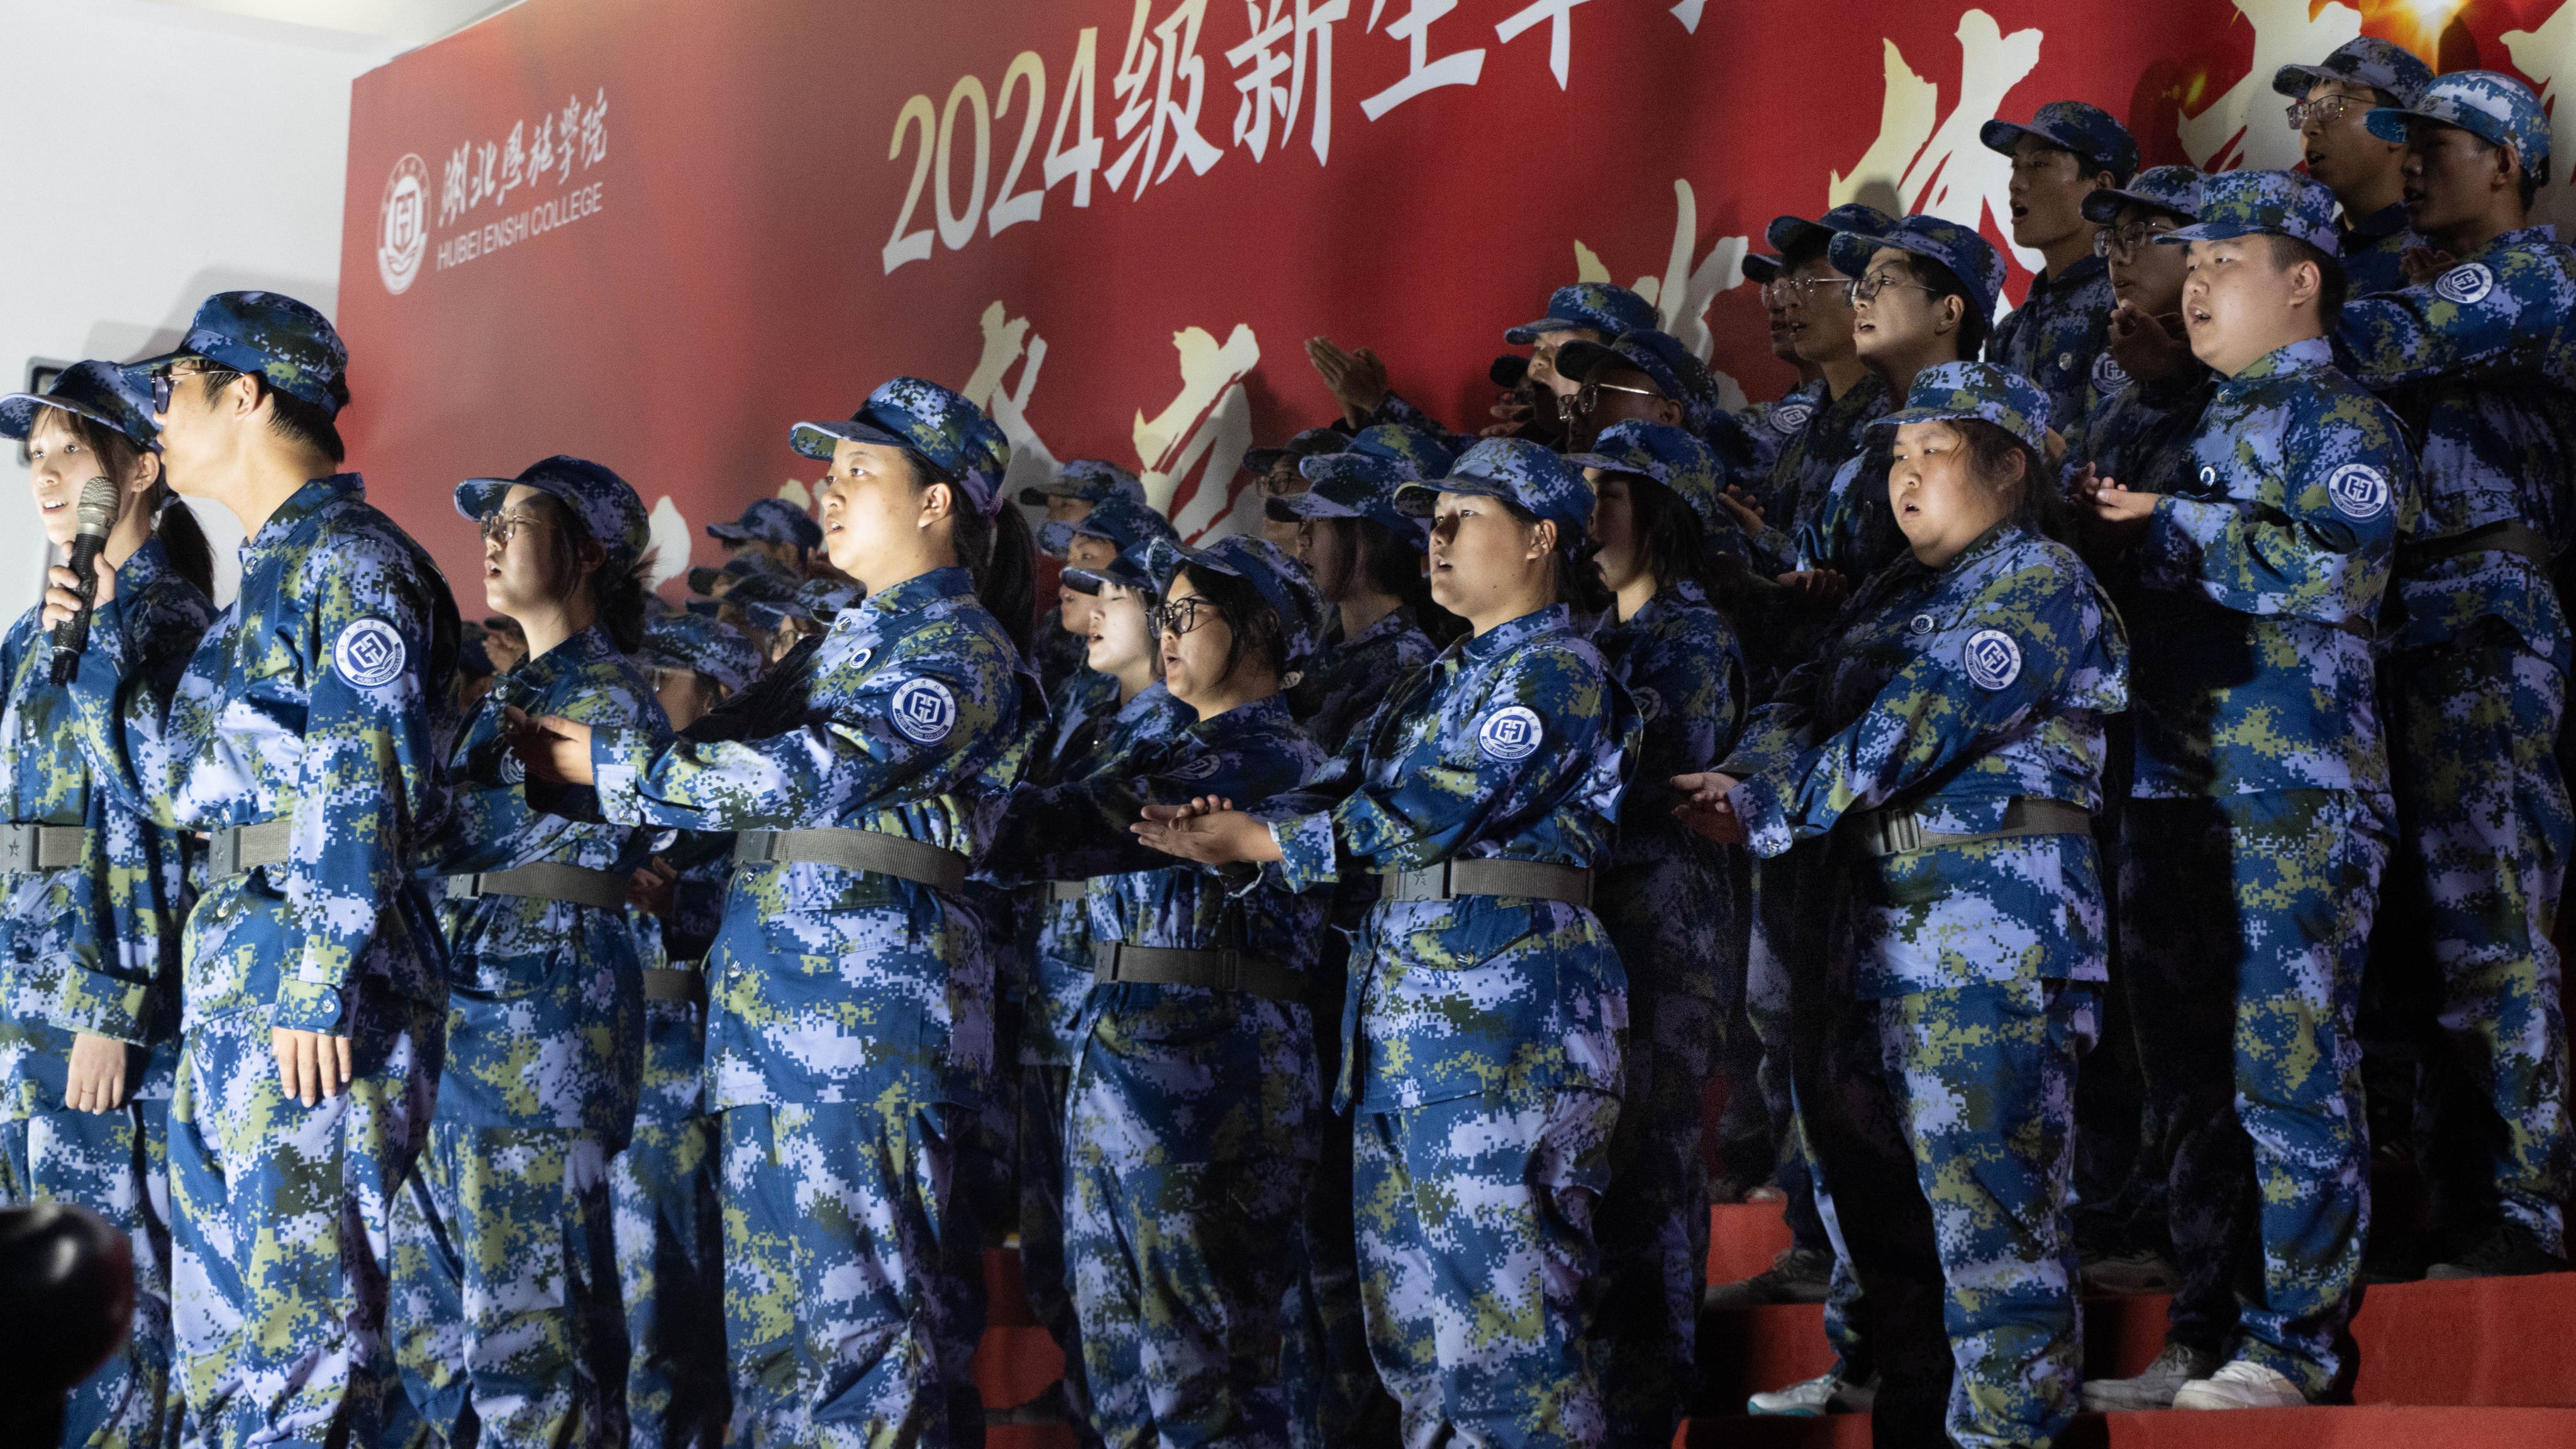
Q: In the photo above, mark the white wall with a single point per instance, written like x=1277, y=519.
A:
x=157, y=153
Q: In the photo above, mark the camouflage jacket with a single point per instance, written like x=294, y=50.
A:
x=545, y=1016
x=1949, y=692
x=323, y=695
x=1831, y=434
x=2374, y=251
x=95, y=947
x=2055, y=337
x=2260, y=576
x=1354, y=675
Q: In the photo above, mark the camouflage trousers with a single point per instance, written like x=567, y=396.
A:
x=1942, y=1125
x=113, y=1164
x=1652, y=1222
x=1480, y=1264
x=506, y=1319
x=853, y=1274
x=669, y=1228
x=2245, y=924
x=1192, y=1124
x=280, y=1215
x=1043, y=1271
x=1335, y=1400
x=2484, y=831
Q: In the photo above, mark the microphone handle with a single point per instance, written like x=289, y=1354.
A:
x=71, y=636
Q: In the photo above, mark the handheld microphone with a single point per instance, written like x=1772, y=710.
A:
x=97, y=517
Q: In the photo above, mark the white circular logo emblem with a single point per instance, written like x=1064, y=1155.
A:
x=1789, y=417
x=1510, y=733
x=1994, y=660
x=2108, y=375
x=2465, y=284
x=924, y=710
x=2357, y=491
x=402, y=225
x=368, y=653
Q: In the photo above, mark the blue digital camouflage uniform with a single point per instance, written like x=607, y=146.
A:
x=1670, y=904
x=1094, y=481
x=91, y=946
x=506, y=1316
x=1830, y=435
x=1192, y=1122
x=770, y=520
x=1352, y=674
x=1602, y=308
x=2479, y=365
x=1484, y=1037
x=2260, y=823
x=1937, y=1051
x=320, y=695
x=664, y=1208
x=850, y=1035
x=2057, y=333
x=2373, y=248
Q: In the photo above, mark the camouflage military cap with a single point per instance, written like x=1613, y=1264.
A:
x=1354, y=485
x=2274, y=203
x=282, y=340
x=2364, y=60
x=770, y=520
x=102, y=392
x=1761, y=268
x=1675, y=370
x=815, y=601
x=1125, y=522
x=2088, y=131
x=608, y=509
x=1089, y=479
x=1305, y=445
x=2171, y=189
x=1968, y=256
x=1280, y=581
x=943, y=429
x=1958, y=391
x=1665, y=454
x=1789, y=232
x=2495, y=108
x=1428, y=456
x=1523, y=474
x=1603, y=308
x=1129, y=570
x=717, y=650
x=742, y=567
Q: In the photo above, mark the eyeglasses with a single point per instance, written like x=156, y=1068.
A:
x=500, y=528
x=1799, y=289
x=165, y=383
x=1867, y=288
x=1587, y=397
x=2324, y=112
x=2126, y=239
x=1180, y=616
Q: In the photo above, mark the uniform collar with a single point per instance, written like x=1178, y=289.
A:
x=916, y=593
x=2086, y=268
x=2539, y=235
x=1266, y=714
x=2306, y=354
x=2377, y=227
x=1503, y=638
x=1394, y=622
x=588, y=647
x=306, y=501
x=1151, y=697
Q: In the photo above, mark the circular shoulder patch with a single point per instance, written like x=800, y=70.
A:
x=1650, y=702
x=2108, y=375
x=924, y=710
x=1993, y=659
x=1198, y=769
x=1510, y=733
x=368, y=653
x=2467, y=283
x=1789, y=417
x=2357, y=491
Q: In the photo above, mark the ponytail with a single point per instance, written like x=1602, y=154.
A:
x=996, y=549
x=183, y=539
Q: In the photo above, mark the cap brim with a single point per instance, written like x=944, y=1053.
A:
x=2001, y=136
x=1903, y=416
x=162, y=363
x=2217, y=231
x=1761, y=268
x=729, y=533
x=18, y=415
x=1262, y=460
x=1528, y=332
x=1422, y=500
x=2102, y=206
x=2293, y=80
x=1287, y=507
x=816, y=440
x=477, y=497
x=1607, y=464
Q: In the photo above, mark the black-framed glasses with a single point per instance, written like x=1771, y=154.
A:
x=1180, y=616
x=2324, y=112
x=1867, y=289
x=165, y=384
x=1584, y=399
x=499, y=528
x=1799, y=289
x=2126, y=240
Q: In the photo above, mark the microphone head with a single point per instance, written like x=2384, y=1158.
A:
x=98, y=506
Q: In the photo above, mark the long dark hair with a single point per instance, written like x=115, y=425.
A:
x=1973, y=325
x=1386, y=564
x=1579, y=584
x=616, y=595
x=1253, y=625
x=2041, y=508
x=172, y=521
x=996, y=549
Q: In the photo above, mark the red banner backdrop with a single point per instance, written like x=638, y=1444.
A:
x=655, y=232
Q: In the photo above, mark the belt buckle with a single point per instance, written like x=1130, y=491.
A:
x=1900, y=831
x=18, y=848
x=223, y=853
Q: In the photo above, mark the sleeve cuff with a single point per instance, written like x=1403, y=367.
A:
x=1766, y=824
x=1308, y=856
x=63, y=993
x=307, y=1006
x=618, y=760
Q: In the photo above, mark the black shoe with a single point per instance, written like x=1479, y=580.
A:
x=1798, y=1275
x=2511, y=1251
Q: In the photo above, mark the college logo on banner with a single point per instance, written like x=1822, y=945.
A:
x=402, y=224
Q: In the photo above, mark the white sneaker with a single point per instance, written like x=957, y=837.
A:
x=1824, y=1394
x=2243, y=1384
x=2155, y=1388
